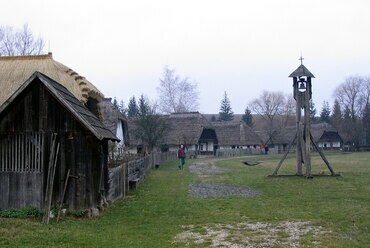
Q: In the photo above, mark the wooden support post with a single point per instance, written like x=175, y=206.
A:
x=299, y=133
x=323, y=156
x=50, y=179
x=285, y=155
x=63, y=194
x=307, y=124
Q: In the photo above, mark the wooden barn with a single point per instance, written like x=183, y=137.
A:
x=45, y=124
x=38, y=111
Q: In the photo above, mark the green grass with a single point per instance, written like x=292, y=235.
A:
x=156, y=212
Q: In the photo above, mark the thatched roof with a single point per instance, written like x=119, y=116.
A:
x=15, y=70
x=67, y=100
x=324, y=132
x=259, y=122
x=286, y=134
x=235, y=134
x=185, y=128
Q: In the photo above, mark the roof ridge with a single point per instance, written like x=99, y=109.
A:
x=27, y=57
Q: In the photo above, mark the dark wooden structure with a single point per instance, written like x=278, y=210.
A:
x=302, y=91
x=38, y=110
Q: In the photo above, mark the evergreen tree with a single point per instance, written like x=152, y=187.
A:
x=312, y=110
x=247, y=117
x=226, y=113
x=133, y=109
x=325, y=112
x=336, y=117
x=213, y=118
x=144, y=106
x=351, y=129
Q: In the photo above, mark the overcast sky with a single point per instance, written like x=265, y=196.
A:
x=241, y=47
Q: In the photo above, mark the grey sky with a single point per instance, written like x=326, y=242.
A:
x=241, y=47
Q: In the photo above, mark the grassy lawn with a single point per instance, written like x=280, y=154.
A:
x=160, y=208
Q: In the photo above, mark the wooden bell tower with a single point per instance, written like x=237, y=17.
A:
x=302, y=92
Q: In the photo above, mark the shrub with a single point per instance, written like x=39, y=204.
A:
x=20, y=213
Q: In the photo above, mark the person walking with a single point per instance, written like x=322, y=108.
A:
x=181, y=156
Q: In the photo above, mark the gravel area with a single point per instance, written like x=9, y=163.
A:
x=205, y=168
x=204, y=190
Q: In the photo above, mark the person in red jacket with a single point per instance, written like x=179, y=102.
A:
x=181, y=156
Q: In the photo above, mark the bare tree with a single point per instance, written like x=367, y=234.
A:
x=270, y=105
x=353, y=94
x=150, y=127
x=21, y=42
x=7, y=41
x=176, y=94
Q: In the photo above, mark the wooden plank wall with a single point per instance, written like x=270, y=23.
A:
x=18, y=190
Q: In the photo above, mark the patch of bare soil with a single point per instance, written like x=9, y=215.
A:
x=246, y=234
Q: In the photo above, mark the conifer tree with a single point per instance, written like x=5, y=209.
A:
x=247, y=117
x=226, y=113
x=132, y=109
x=144, y=106
x=336, y=116
x=312, y=111
x=325, y=112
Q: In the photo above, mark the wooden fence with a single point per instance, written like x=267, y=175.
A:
x=134, y=171
x=237, y=152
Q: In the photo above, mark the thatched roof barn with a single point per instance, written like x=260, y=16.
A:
x=38, y=110
x=15, y=70
x=232, y=135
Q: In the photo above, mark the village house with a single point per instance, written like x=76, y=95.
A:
x=49, y=118
x=193, y=131
x=326, y=136
x=232, y=135
x=190, y=129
